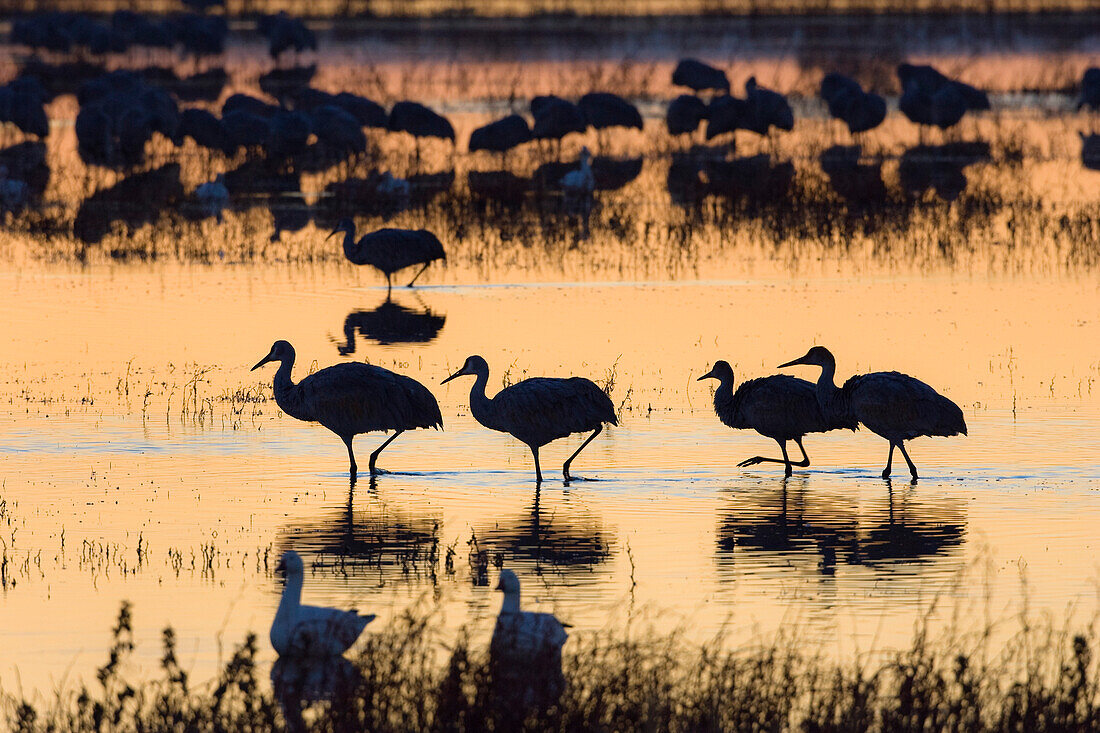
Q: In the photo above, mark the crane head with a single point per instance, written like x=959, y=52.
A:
x=721, y=371
x=280, y=350
x=816, y=356
x=473, y=365
x=344, y=225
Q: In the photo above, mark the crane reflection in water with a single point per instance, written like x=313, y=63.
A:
x=794, y=523
x=391, y=323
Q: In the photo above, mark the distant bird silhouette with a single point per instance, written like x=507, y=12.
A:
x=1090, y=89
x=337, y=129
x=366, y=111
x=1090, y=151
x=698, y=76
x=244, y=103
x=603, y=110
x=205, y=129
x=390, y=250
x=890, y=404
x=22, y=104
x=500, y=136
x=539, y=410
x=419, y=121
x=847, y=101
x=525, y=651
x=288, y=133
x=352, y=398
x=766, y=109
x=213, y=197
x=930, y=98
x=555, y=118
x=284, y=33
x=726, y=114
x=778, y=407
x=246, y=129
x=684, y=115
x=580, y=183
x=310, y=631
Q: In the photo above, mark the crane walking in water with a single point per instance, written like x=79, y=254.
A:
x=540, y=409
x=390, y=250
x=890, y=404
x=779, y=407
x=353, y=398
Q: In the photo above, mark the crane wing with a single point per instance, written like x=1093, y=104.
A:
x=542, y=409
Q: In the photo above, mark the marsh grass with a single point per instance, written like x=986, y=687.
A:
x=406, y=677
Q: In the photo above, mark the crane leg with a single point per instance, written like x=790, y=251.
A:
x=389, y=285
x=912, y=468
x=374, y=456
x=538, y=468
x=351, y=455
x=785, y=460
x=419, y=272
x=889, y=461
x=565, y=468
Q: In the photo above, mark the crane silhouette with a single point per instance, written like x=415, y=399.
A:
x=698, y=76
x=779, y=407
x=892, y=405
x=540, y=409
x=390, y=250
x=353, y=398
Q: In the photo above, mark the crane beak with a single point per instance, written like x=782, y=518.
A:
x=332, y=234
x=459, y=373
x=261, y=362
x=796, y=362
x=708, y=375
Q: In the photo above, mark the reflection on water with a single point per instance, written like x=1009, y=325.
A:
x=940, y=168
x=792, y=520
x=377, y=536
x=559, y=539
x=391, y=323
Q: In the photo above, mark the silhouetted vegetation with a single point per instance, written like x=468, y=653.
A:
x=405, y=678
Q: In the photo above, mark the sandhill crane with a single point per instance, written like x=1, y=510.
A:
x=930, y=98
x=500, y=136
x=684, y=114
x=890, y=404
x=390, y=250
x=419, y=121
x=352, y=398
x=847, y=101
x=603, y=110
x=1090, y=89
x=525, y=651
x=310, y=631
x=779, y=407
x=555, y=118
x=699, y=76
x=540, y=409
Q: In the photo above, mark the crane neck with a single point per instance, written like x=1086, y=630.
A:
x=480, y=404
x=827, y=390
x=349, y=243
x=286, y=391
x=511, y=602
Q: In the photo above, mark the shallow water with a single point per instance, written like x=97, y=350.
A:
x=141, y=460
x=126, y=477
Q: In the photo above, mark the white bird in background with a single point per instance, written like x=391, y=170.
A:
x=524, y=637
x=580, y=183
x=310, y=631
x=213, y=197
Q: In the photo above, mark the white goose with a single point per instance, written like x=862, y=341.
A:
x=524, y=637
x=580, y=183
x=310, y=631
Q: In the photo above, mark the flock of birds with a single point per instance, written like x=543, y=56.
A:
x=353, y=397
x=301, y=128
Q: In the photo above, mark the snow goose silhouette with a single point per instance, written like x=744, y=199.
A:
x=310, y=631
x=580, y=183
x=524, y=639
